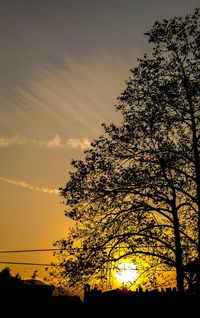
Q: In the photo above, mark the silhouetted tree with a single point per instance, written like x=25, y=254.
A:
x=137, y=193
x=34, y=276
x=7, y=280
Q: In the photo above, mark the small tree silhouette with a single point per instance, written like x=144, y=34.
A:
x=33, y=276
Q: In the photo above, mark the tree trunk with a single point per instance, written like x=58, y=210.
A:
x=197, y=179
x=179, y=257
x=196, y=154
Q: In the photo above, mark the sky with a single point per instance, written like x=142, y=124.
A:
x=63, y=64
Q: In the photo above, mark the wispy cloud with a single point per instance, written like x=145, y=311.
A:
x=7, y=142
x=55, y=142
x=82, y=143
x=28, y=186
x=72, y=97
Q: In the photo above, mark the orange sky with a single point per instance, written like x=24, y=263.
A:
x=63, y=64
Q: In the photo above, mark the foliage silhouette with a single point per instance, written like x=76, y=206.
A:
x=9, y=280
x=136, y=195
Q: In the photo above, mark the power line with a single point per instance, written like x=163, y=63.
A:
x=41, y=250
x=35, y=264
x=47, y=265
x=28, y=251
x=32, y=250
x=60, y=249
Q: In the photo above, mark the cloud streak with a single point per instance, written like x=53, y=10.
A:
x=28, y=186
x=82, y=143
x=7, y=142
x=55, y=143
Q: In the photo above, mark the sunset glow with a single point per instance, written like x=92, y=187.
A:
x=126, y=273
x=63, y=66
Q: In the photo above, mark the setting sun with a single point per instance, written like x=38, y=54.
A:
x=126, y=273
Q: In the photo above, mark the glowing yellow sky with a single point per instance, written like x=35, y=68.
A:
x=62, y=66
x=56, y=117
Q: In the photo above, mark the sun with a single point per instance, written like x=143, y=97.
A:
x=126, y=273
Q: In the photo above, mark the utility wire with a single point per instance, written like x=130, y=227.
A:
x=41, y=250
x=60, y=249
x=22, y=263
x=47, y=265
x=32, y=250
x=27, y=251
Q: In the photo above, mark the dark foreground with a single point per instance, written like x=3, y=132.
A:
x=63, y=306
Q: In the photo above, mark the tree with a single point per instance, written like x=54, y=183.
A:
x=137, y=193
x=8, y=280
x=34, y=276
